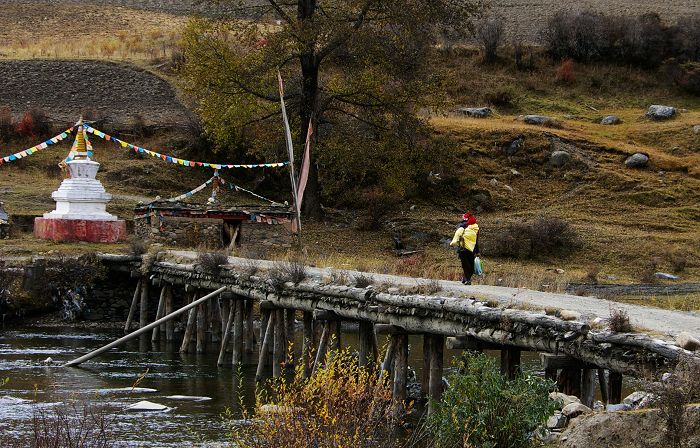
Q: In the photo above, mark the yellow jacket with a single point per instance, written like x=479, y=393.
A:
x=465, y=237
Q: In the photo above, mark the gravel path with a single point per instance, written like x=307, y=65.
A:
x=654, y=320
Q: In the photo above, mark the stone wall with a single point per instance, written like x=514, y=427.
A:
x=266, y=236
x=111, y=298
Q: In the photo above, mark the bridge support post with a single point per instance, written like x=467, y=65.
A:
x=322, y=345
x=160, y=312
x=289, y=335
x=588, y=385
x=132, y=308
x=308, y=336
x=265, y=315
x=437, y=346
x=215, y=320
x=569, y=381
x=400, y=373
x=237, y=332
x=225, y=311
x=425, y=377
x=366, y=336
x=249, y=330
x=388, y=364
x=510, y=362
x=143, y=308
x=169, y=325
x=280, y=340
x=201, y=327
x=614, y=387
x=267, y=336
x=603, y=383
x=337, y=331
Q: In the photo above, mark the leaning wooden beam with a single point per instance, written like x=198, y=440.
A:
x=437, y=346
x=132, y=308
x=189, y=328
x=322, y=345
x=267, y=340
x=143, y=306
x=160, y=312
x=141, y=331
x=400, y=374
x=238, y=332
x=226, y=336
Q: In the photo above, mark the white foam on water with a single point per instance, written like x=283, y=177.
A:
x=187, y=398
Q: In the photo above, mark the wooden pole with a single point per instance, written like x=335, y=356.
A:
x=143, y=309
x=267, y=340
x=400, y=373
x=603, y=383
x=322, y=345
x=250, y=330
x=264, y=318
x=227, y=335
x=308, y=336
x=588, y=383
x=160, y=312
x=388, y=364
x=510, y=362
x=132, y=309
x=225, y=312
x=169, y=325
x=569, y=381
x=141, y=331
x=238, y=332
x=437, y=347
x=365, y=342
x=425, y=377
x=216, y=320
x=614, y=387
x=201, y=327
x=338, y=326
x=289, y=336
x=189, y=329
x=280, y=340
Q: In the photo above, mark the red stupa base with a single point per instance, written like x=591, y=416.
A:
x=79, y=230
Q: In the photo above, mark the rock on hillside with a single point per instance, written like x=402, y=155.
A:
x=64, y=89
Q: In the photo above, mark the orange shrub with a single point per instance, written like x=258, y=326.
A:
x=565, y=72
x=34, y=123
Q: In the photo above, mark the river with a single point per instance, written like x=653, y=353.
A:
x=35, y=388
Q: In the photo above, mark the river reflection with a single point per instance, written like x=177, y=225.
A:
x=108, y=380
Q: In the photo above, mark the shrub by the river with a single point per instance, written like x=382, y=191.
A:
x=341, y=405
x=74, y=425
x=482, y=409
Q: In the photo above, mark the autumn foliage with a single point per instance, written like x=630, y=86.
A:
x=565, y=72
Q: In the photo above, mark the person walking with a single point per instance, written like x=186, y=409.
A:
x=466, y=239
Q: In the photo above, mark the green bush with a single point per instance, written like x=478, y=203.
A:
x=482, y=409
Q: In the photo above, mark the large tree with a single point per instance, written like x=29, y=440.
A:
x=359, y=70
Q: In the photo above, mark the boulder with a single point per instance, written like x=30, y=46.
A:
x=557, y=421
x=541, y=120
x=696, y=129
x=559, y=158
x=635, y=398
x=611, y=120
x=563, y=400
x=618, y=407
x=687, y=341
x=515, y=145
x=665, y=276
x=659, y=112
x=573, y=410
x=514, y=172
x=637, y=160
x=147, y=406
x=476, y=112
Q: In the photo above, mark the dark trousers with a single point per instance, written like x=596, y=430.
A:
x=467, y=259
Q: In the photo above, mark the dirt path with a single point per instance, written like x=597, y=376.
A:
x=653, y=320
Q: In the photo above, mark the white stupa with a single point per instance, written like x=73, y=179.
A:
x=81, y=203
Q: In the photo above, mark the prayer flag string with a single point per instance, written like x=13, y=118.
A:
x=34, y=149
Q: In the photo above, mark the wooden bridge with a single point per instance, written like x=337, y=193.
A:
x=573, y=353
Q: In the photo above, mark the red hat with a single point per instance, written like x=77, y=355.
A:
x=469, y=218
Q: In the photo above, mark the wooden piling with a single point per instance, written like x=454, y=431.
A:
x=278, y=346
x=425, y=376
x=249, y=328
x=322, y=346
x=365, y=343
x=169, y=325
x=400, y=373
x=437, y=347
x=338, y=331
x=225, y=311
x=614, y=387
x=201, y=327
x=308, y=337
x=189, y=329
x=388, y=363
x=267, y=340
x=227, y=335
x=588, y=384
x=238, y=332
x=215, y=320
x=160, y=312
x=132, y=308
x=603, y=384
x=289, y=330
x=569, y=381
x=143, y=306
x=510, y=362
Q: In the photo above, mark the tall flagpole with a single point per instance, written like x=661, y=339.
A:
x=290, y=151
